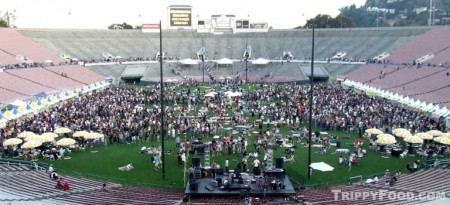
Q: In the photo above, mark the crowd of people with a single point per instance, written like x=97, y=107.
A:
x=126, y=114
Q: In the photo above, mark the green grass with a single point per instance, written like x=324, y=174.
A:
x=106, y=161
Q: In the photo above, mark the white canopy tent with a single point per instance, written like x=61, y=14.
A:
x=260, y=61
x=321, y=166
x=225, y=61
x=188, y=61
x=18, y=103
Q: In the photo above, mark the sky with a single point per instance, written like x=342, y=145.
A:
x=99, y=14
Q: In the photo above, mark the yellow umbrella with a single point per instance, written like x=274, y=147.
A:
x=374, y=131
x=33, y=138
x=399, y=131
x=47, y=138
x=65, y=142
x=62, y=130
x=424, y=135
x=414, y=139
x=80, y=134
x=12, y=141
x=25, y=134
x=385, y=136
x=31, y=144
x=386, y=141
x=404, y=134
x=442, y=140
x=435, y=133
x=49, y=134
x=93, y=135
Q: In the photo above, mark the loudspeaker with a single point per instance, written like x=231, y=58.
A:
x=207, y=187
x=219, y=171
x=193, y=186
x=196, y=161
x=338, y=144
x=279, y=163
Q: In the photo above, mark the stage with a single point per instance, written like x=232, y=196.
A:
x=274, y=183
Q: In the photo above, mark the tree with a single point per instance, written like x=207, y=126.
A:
x=7, y=19
x=342, y=21
x=3, y=23
x=120, y=26
x=326, y=21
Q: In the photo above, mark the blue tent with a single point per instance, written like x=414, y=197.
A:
x=2, y=117
x=16, y=112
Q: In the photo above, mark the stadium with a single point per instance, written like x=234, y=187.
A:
x=220, y=113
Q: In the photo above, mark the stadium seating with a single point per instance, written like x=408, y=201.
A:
x=78, y=73
x=7, y=58
x=430, y=42
x=91, y=44
x=15, y=43
x=430, y=180
x=124, y=195
x=17, y=185
x=327, y=196
x=25, y=83
x=20, y=184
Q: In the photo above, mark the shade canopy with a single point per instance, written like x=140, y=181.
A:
x=225, y=61
x=260, y=61
x=321, y=166
x=188, y=61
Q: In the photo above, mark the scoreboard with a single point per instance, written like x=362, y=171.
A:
x=180, y=16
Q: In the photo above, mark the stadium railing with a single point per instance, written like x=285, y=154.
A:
x=30, y=164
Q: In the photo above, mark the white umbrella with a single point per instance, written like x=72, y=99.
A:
x=65, y=142
x=31, y=144
x=26, y=134
x=321, y=166
x=12, y=141
x=62, y=130
x=93, y=135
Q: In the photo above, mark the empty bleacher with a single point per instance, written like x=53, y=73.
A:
x=124, y=195
x=431, y=41
x=25, y=83
x=91, y=44
x=328, y=196
x=14, y=43
x=430, y=180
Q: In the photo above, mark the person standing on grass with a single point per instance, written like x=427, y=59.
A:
x=227, y=166
x=156, y=163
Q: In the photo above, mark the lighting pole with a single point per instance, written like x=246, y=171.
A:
x=246, y=62
x=431, y=13
x=203, y=68
x=311, y=83
x=378, y=13
x=162, y=100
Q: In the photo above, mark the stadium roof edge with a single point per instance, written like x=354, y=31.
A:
x=180, y=6
x=274, y=29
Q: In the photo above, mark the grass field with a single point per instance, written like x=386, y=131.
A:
x=103, y=163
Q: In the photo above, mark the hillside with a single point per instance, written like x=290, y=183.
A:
x=398, y=13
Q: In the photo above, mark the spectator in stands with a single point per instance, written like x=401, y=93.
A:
x=59, y=185
x=66, y=186
x=387, y=173
x=50, y=169
x=54, y=176
x=104, y=187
